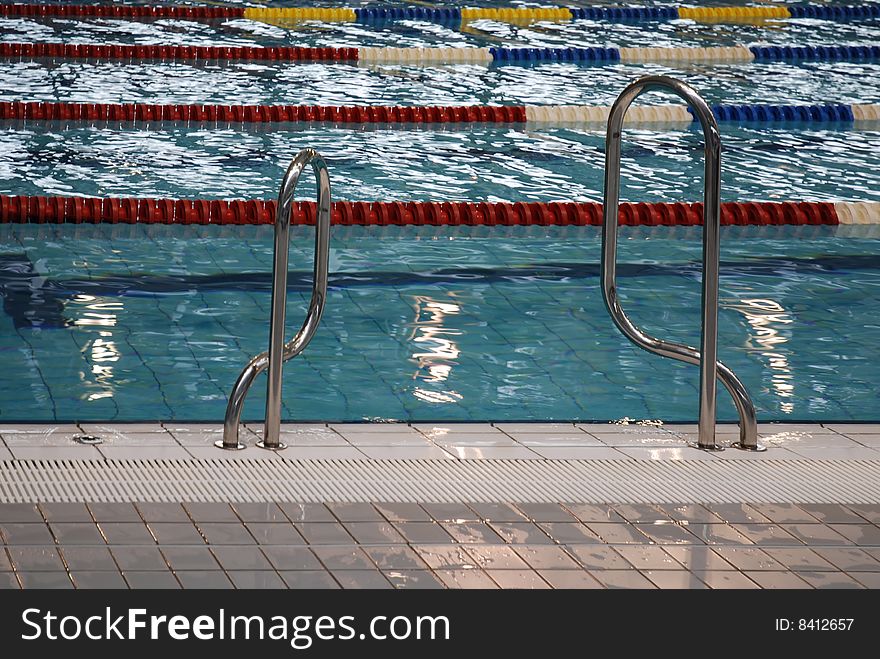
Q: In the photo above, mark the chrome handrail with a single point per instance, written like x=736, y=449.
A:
x=279, y=352
x=706, y=358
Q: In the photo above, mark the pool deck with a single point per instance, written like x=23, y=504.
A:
x=446, y=505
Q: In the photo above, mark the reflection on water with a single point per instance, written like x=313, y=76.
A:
x=437, y=352
x=770, y=326
x=102, y=351
x=97, y=314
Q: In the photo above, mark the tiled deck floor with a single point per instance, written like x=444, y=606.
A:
x=498, y=545
x=516, y=441
x=439, y=545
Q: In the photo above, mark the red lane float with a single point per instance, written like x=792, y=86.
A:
x=177, y=53
x=89, y=210
x=120, y=11
x=140, y=112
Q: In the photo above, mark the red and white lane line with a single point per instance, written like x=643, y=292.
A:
x=92, y=210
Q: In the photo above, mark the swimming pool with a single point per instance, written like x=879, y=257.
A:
x=146, y=323
x=432, y=323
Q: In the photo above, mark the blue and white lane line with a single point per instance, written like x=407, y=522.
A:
x=731, y=54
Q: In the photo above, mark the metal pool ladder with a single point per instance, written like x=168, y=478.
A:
x=706, y=357
x=279, y=352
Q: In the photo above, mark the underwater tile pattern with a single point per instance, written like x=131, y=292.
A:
x=135, y=323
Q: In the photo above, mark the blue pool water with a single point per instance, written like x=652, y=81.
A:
x=465, y=163
x=145, y=323
x=136, y=323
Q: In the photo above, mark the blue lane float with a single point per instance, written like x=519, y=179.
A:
x=764, y=113
x=530, y=55
x=834, y=13
x=814, y=53
x=624, y=14
x=374, y=15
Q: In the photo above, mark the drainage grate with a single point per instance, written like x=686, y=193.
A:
x=88, y=440
x=609, y=481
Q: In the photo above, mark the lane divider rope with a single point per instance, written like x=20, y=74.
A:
x=597, y=55
x=446, y=55
x=643, y=115
x=454, y=15
x=517, y=14
x=116, y=10
x=92, y=210
x=391, y=55
x=323, y=14
x=715, y=14
x=716, y=54
x=176, y=53
x=137, y=112
x=857, y=212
